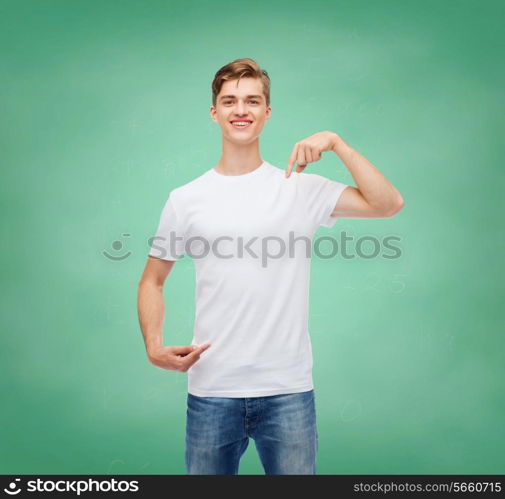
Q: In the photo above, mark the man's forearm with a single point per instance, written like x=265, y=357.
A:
x=151, y=311
x=374, y=187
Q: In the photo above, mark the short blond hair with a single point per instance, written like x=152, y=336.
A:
x=240, y=68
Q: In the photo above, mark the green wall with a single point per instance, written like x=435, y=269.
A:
x=105, y=109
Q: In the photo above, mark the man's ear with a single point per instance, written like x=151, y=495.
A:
x=213, y=113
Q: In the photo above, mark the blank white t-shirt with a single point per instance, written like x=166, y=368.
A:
x=252, y=275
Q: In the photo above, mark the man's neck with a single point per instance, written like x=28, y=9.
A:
x=239, y=159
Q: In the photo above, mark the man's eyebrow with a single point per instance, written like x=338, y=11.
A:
x=233, y=96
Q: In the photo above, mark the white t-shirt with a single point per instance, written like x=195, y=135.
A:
x=252, y=275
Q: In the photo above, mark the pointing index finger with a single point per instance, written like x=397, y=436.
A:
x=191, y=358
x=291, y=161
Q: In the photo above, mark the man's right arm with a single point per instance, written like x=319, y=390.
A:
x=151, y=312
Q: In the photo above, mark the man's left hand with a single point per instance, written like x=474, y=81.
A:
x=309, y=150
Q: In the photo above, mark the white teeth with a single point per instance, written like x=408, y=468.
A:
x=241, y=123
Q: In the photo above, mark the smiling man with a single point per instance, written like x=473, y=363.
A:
x=248, y=225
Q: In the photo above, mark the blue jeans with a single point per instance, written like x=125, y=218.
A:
x=283, y=428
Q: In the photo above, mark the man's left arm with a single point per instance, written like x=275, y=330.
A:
x=374, y=196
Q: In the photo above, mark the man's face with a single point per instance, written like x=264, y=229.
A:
x=241, y=110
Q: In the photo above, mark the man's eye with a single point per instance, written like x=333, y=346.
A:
x=229, y=101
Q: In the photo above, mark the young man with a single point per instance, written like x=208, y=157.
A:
x=248, y=226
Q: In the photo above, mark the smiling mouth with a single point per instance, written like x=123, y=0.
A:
x=240, y=125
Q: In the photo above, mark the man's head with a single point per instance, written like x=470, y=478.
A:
x=241, y=94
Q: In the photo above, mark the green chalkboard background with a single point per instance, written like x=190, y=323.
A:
x=105, y=109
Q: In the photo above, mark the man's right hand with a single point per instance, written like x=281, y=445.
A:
x=177, y=358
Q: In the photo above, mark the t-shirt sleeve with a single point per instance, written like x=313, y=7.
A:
x=168, y=243
x=320, y=195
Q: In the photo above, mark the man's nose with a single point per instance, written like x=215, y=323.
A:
x=240, y=108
